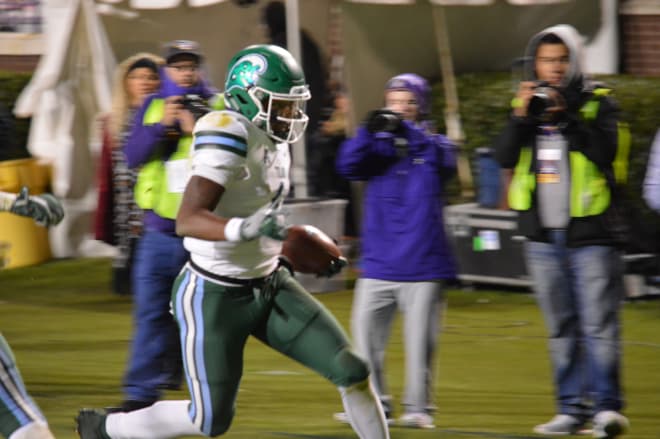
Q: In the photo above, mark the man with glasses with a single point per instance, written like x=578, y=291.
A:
x=159, y=145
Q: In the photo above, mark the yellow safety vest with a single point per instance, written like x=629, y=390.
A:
x=590, y=192
x=151, y=188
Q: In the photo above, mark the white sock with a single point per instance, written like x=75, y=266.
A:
x=364, y=411
x=163, y=420
x=33, y=430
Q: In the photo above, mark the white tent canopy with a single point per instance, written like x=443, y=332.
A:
x=381, y=38
x=69, y=89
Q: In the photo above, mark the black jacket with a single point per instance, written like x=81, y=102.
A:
x=596, y=139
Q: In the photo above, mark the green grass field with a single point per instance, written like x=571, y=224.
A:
x=71, y=336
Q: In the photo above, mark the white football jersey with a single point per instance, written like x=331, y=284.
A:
x=230, y=151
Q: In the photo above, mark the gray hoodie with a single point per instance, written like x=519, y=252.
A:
x=552, y=147
x=572, y=39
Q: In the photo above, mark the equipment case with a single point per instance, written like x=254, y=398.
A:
x=487, y=245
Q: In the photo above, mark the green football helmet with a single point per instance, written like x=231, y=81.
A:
x=266, y=84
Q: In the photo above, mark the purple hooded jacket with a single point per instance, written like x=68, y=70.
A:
x=143, y=140
x=403, y=234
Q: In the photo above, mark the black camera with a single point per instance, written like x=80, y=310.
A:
x=383, y=120
x=546, y=103
x=197, y=105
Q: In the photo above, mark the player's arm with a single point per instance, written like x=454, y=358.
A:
x=219, y=151
x=196, y=218
x=44, y=209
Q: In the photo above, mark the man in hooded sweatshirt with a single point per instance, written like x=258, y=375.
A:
x=562, y=142
x=159, y=145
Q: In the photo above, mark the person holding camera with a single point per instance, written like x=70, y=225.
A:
x=562, y=142
x=158, y=146
x=405, y=256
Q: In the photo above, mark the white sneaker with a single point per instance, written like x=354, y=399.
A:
x=609, y=424
x=416, y=420
x=562, y=425
x=343, y=418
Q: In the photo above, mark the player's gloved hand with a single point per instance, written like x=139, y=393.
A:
x=268, y=220
x=45, y=209
x=270, y=223
x=383, y=120
x=336, y=265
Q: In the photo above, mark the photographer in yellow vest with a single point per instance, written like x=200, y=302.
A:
x=568, y=150
x=158, y=146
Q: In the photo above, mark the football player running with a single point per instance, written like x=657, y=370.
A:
x=233, y=285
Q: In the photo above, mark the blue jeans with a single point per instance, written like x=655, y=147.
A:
x=579, y=291
x=155, y=359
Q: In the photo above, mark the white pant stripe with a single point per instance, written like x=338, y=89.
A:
x=14, y=395
x=189, y=348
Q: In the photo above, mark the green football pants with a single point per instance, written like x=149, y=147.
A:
x=215, y=321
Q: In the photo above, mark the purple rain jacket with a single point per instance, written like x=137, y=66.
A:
x=403, y=233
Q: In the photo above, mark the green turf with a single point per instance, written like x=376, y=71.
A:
x=71, y=336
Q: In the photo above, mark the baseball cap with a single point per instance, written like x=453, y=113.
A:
x=182, y=47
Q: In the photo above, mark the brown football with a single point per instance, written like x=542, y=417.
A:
x=309, y=250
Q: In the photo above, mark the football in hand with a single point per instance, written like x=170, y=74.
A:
x=309, y=250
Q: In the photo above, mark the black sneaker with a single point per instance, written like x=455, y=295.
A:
x=90, y=424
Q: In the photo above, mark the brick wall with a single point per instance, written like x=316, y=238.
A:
x=640, y=36
x=19, y=63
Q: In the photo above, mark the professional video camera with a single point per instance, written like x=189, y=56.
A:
x=196, y=104
x=546, y=104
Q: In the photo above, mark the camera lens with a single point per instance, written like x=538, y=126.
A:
x=538, y=105
x=388, y=121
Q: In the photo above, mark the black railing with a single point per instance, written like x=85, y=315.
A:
x=20, y=16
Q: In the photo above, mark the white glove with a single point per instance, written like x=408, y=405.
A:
x=45, y=209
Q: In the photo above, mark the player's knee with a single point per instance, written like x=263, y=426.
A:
x=349, y=368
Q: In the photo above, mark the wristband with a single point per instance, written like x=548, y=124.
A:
x=233, y=229
x=6, y=201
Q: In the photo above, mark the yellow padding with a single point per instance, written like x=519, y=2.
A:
x=22, y=242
